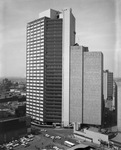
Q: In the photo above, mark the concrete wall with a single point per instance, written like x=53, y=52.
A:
x=76, y=84
x=96, y=136
x=93, y=90
x=87, y=134
x=68, y=40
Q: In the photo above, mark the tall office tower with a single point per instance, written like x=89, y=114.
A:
x=110, y=100
x=44, y=67
x=108, y=85
x=86, y=86
x=119, y=105
x=114, y=103
x=68, y=41
x=93, y=87
x=76, y=83
x=47, y=38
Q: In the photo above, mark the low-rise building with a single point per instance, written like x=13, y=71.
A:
x=14, y=128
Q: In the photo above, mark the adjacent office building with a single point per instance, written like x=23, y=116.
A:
x=86, y=81
x=91, y=90
x=119, y=105
x=110, y=100
x=108, y=85
x=108, y=89
x=68, y=41
x=114, y=103
x=45, y=53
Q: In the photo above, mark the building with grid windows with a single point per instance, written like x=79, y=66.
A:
x=65, y=82
x=44, y=64
x=118, y=82
x=35, y=69
x=108, y=85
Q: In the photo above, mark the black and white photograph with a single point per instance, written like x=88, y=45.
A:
x=60, y=74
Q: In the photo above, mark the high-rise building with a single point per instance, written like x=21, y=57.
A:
x=114, y=103
x=44, y=67
x=109, y=100
x=64, y=82
x=68, y=41
x=86, y=86
x=108, y=85
x=118, y=82
x=48, y=43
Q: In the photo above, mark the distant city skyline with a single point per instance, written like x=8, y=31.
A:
x=97, y=27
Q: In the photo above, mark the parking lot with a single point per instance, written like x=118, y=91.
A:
x=48, y=138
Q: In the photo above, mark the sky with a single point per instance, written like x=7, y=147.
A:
x=98, y=26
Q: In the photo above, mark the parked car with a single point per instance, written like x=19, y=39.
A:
x=58, y=137
x=44, y=130
x=30, y=136
x=47, y=135
x=55, y=147
x=52, y=137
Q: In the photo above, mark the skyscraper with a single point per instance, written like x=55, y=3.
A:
x=108, y=85
x=86, y=86
x=47, y=38
x=110, y=100
x=64, y=82
x=118, y=82
x=68, y=41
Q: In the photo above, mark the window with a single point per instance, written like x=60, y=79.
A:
x=42, y=30
x=42, y=34
x=41, y=112
x=42, y=23
x=41, y=115
x=41, y=101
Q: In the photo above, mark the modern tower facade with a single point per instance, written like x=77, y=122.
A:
x=64, y=82
x=93, y=87
x=68, y=41
x=108, y=85
x=44, y=67
x=119, y=105
x=48, y=45
x=76, y=84
x=114, y=103
x=35, y=69
x=86, y=81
